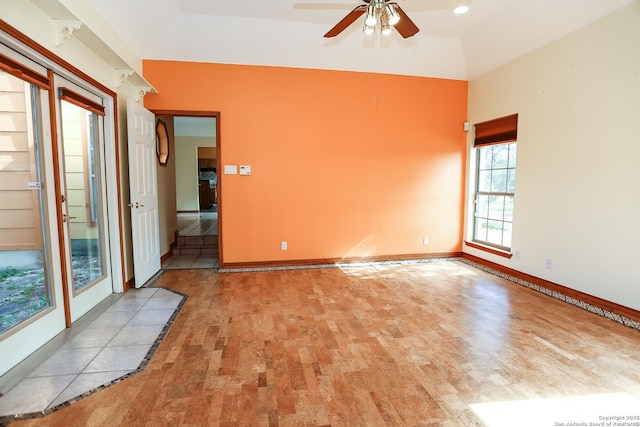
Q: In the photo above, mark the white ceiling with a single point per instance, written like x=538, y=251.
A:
x=290, y=33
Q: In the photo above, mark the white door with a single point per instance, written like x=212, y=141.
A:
x=143, y=192
x=81, y=155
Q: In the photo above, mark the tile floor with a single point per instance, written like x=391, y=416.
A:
x=203, y=223
x=119, y=342
x=187, y=261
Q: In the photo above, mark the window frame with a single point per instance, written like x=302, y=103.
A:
x=502, y=130
x=479, y=193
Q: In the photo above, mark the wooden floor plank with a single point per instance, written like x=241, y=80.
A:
x=419, y=344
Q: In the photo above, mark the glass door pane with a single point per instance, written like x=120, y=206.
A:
x=24, y=282
x=81, y=152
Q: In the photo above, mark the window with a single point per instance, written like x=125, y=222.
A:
x=496, y=149
x=495, y=185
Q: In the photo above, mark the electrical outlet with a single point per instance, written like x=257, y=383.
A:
x=425, y=240
x=283, y=246
x=517, y=255
x=548, y=264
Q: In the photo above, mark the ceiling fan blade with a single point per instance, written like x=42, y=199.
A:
x=405, y=26
x=346, y=21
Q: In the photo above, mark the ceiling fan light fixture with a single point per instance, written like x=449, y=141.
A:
x=461, y=9
x=368, y=29
x=384, y=14
x=393, y=17
x=385, y=28
x=372, y=18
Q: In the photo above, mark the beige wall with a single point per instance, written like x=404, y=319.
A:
x=187, y=170
x=577, y=199
x=167, y=217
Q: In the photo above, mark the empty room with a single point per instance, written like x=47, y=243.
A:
x=302, y=213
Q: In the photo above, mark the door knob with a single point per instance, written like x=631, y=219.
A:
x=67, y=218
x=137, y=205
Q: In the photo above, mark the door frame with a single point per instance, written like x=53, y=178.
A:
x=216, y=115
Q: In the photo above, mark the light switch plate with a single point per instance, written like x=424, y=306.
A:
x=245, y=170
x=230, y=169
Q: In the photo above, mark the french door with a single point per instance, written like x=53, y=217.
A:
x=58, y=200
x=80, y=127
x=31, y=307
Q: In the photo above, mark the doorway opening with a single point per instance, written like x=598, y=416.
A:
x=196, y=148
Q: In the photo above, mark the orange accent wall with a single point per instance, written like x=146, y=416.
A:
x=344, y=164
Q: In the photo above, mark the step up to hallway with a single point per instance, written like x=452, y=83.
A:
x=195, y=245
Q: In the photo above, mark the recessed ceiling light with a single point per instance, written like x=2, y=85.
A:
x=461, y=9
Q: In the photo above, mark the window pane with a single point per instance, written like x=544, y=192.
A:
x=481, y=230
x=494, y=234
x=511, y=181
x=24, y=281
x=499, y=180
x=484, y=158
x=81, y=151
x=496, y=207
x=508, y=208
x=482, y=206
x=500, y=155
x=484, y=181
x=513, y=148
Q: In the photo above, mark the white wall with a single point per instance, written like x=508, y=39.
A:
x=578, y=174
x=187, y=170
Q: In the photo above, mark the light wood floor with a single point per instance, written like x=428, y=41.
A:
x=438, y=344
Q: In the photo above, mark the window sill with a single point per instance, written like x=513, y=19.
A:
x=494, y=251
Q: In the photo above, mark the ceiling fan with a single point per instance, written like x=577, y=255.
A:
x=385, y=13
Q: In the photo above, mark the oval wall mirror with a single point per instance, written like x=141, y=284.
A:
x=162, y=143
